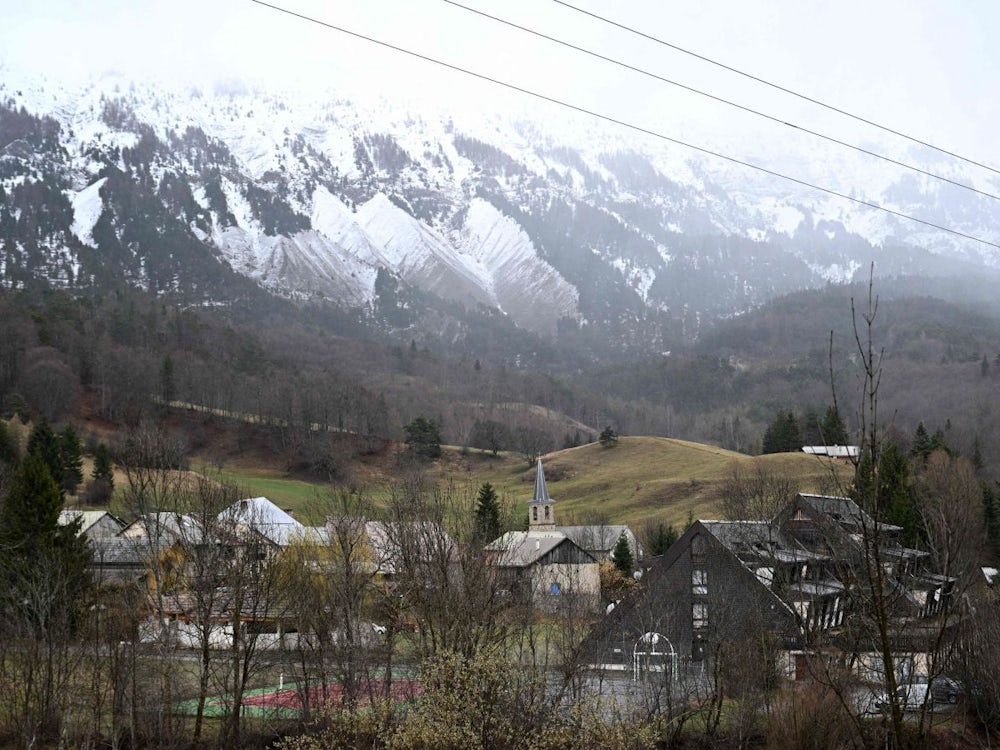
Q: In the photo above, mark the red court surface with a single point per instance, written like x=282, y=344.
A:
x=402, y=688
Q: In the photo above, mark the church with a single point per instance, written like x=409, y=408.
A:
x=549, y=566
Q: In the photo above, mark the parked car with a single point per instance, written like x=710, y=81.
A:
x=943, y=689
x=914, y=694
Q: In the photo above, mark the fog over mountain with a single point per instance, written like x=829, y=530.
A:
x=359, y=202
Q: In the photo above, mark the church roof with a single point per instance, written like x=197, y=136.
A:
x=541, y=491
x=520, y=549
x=598, y=537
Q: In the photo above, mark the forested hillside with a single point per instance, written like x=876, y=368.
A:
x=306, y=370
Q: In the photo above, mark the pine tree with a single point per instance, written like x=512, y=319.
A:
x=424, y=438
x=662, y=539
x=42, y=563
x=792, y=436
x=812, y=430
x=782, y=435
x=833, y=428
x=102, y=478
x=991, y=515
x=487, y=513
x=71, y=456
x=894, y=494
x=622, y=555
x=922, y=444
x=103, y=468
x=43, y=442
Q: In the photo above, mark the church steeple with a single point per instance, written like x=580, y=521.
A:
x=541, y=508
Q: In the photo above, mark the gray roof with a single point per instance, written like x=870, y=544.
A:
x=166, y=525
x=805, y=590
x=846, y=512
x=598, y=537
x=87, y=518
x=519, y=549
x=759, y=540
x=541, y=491
x=267, y=519
x=133, y=552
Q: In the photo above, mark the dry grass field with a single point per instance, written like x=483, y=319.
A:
x=641, y=479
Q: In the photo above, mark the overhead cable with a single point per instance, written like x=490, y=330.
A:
x=778, y=87
x=623, y=123
x=721, y=100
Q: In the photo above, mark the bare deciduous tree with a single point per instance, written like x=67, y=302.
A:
x=755, y=492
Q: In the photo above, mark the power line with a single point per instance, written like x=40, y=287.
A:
x=727, y=102
x=623, y=123
x=776, y=86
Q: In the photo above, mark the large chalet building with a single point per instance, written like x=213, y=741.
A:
x=800, y=577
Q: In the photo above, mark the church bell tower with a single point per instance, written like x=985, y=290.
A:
x=541, y=508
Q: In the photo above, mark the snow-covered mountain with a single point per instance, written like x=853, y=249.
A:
x=554, y=227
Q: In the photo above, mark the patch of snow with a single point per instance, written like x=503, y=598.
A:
x=784, y=219
x=335, y=221
x=423, y=257
x=533, y=293
x=836, y=273
x=87, y=208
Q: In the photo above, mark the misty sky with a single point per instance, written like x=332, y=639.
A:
x=927, y=68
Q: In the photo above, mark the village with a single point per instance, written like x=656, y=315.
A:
x=817, y=597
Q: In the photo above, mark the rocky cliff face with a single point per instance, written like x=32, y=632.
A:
x=554, y=229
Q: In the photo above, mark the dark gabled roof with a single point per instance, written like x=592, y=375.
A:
x=521, y=549
x=127, y=552
x=846, y=512
x=759, y=540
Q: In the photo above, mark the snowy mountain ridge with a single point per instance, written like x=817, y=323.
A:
x=315, y=196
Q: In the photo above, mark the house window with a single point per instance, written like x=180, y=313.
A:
x=698, y=547
x=699, y=616
x=699, y=582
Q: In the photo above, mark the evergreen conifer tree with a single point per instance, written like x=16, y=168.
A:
x=792, y=435
x=622, y=554
x=812, y=430
x=662, y=539
x=103, y=468
x=991, y=515
x=43, y=442
x=922, y=445
x=102, y=478
x=833, y=428
x=42, y=563
x=782, y=435
x=71, y=455
x=487, y=513
x=424, y=438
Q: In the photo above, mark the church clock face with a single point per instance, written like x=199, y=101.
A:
x=554, y=589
